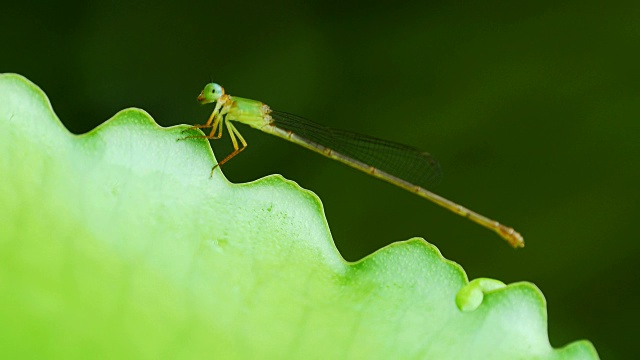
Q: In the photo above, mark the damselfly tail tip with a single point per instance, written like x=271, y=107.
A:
x=511, y=236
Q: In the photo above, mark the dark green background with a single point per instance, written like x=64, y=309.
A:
x=532, y=108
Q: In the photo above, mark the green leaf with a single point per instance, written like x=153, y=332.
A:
x=118, y=244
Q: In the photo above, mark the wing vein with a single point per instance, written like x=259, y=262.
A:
x=405, y=162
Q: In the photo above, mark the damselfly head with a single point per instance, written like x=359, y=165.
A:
x=211, y=93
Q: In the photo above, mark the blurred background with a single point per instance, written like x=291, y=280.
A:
x=532, y=108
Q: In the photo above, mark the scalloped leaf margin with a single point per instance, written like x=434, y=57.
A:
x=118, y=242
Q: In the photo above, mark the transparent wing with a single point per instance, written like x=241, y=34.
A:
x=405, y=162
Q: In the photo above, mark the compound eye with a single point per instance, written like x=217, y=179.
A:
x=217, y=89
